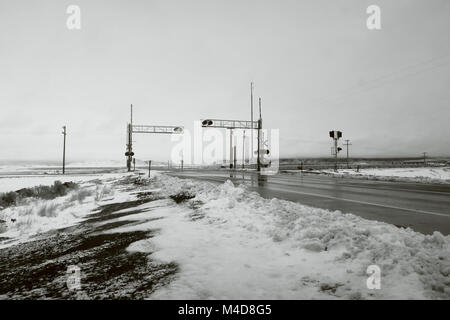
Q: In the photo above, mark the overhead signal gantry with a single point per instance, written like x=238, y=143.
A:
x=131, y=128
x=238, y=124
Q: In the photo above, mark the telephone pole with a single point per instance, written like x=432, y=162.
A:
x=149, y=167
x=424, y=158
x=347, y=144
x=64, y=150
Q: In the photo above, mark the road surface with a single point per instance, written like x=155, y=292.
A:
x=421, y=206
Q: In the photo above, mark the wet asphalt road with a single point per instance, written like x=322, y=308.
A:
x=423, y=207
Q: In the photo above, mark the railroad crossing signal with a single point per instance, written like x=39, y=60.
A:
x=145, y=129
x=336, y=135
x=237, y=124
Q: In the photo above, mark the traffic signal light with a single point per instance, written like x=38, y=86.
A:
x=206, y=123
x=335, y=134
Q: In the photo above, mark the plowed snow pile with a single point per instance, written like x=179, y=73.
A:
x=232, y=244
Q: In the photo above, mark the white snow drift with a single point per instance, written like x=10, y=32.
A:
x=232, y=244
x=427, y=174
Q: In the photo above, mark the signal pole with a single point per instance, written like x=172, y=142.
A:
x=231, y=148
x=129, y=152
x=335, y=135
x=251, y=119
x=335, y=154
x=64, y=150
x=259, y=137
x=347, y=144
x=243, y=150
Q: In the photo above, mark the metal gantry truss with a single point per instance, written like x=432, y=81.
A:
x=236, y=124
x=157, y=129
x=230, y=124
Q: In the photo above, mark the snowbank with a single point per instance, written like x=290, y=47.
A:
x=428, y=174
x=232, y=244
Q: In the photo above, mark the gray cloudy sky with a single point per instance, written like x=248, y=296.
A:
x=314, y=63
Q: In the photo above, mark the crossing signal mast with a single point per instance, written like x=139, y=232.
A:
x=335, y=135
x=131, y=128
x=239, y=124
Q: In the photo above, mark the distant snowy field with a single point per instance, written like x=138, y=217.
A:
x=230, y=243
x=18, y=182
x=427, y=174
x=38, y=215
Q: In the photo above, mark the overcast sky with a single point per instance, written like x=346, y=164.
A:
x=314, y=63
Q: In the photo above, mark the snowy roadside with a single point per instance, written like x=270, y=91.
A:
x=222, y=242
x=422, y=175
x=231, y=243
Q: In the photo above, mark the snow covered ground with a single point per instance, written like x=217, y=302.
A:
x=13, y=183
x=230, y=243
x=426, y=174
x=233, y=244
x=34, y=216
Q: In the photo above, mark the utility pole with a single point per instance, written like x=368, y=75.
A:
x=149, y=167
x=335, y=154
x=231, y=148
x=425, y=159
x=64, y=150
x=129, y=154
x=243, y=150
x=259, y=137
x=251, y=119
x=182, y=160
x=347, y=144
